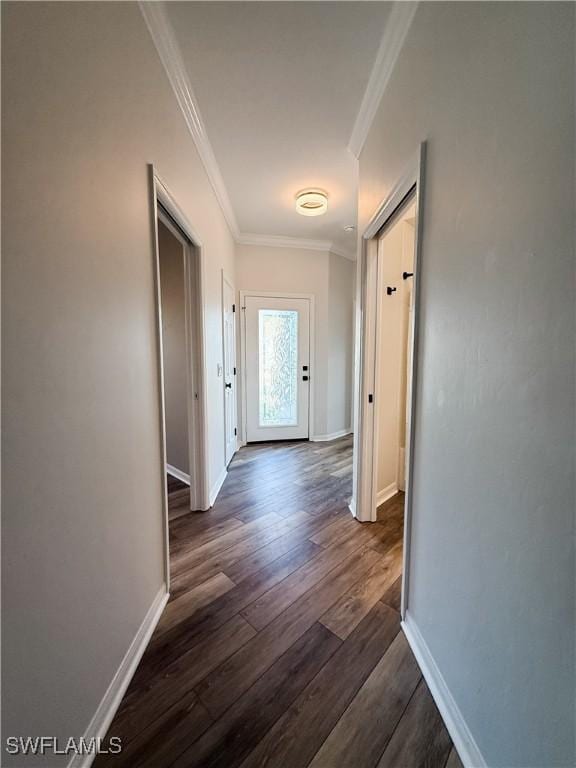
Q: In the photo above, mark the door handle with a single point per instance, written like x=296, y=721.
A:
x=304, y=378
x=229, y=386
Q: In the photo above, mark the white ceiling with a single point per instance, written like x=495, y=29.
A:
x=279, y=86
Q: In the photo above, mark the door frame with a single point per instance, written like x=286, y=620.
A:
x=195, y=341
x=226, y=279
x=312, y=319
x=363, y=503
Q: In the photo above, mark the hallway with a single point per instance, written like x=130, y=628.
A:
x=281, y=643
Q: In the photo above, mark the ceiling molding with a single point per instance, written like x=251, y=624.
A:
x=393, y=38
x=171, y=58
x=282, y=241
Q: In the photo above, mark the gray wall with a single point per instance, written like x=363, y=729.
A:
x=340, y=345
x=490, y=86
x=86, y=105
x=174, y=348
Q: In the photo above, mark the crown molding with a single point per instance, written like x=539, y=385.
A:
x=283, y=241
x=165, y=42
x=391, y=44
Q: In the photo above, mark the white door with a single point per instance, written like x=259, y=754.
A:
x=277, y=368
x=229, y=335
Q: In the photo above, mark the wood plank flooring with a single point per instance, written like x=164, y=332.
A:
x=281, y=645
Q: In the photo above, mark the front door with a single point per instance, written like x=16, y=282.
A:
x=277, y=368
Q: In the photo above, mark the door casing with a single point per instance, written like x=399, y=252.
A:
x=363, y=503
x=196, y=384
x=229, y=361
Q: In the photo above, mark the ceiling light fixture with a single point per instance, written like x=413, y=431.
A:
x=349, y=228
x=311, y=202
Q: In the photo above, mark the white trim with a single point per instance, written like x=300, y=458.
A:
x=386, y=493
x=352, y=507
x=364, y=485
x=464, y=742
x=110, y=702
x=391, y=44
x=331, y=436
x=401, y=189
x=284, y=241
x=215, y=490
x=312, y=319
x=227, y=280
x=281, y=241
x=197, y=404
x=165, y=42
x=178, y=474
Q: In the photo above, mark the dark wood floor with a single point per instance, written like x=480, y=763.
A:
x=178, y=498
x=281, y=644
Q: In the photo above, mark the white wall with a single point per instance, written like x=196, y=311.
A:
x=490, y=86
x=297, y=270
x=86, y=105
x=174, y=348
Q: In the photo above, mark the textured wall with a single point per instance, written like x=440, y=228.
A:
x=490, y=86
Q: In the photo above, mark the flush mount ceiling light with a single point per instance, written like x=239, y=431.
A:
x=311, y=202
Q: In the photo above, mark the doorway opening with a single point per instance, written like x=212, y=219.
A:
x=180, y=349
x=173, y=249
x=386, y=380
x=394, y=335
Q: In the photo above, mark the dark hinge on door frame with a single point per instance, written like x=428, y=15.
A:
x=233, y=307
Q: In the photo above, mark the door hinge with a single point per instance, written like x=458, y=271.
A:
x=233, y=307
x=235, y=431
x=234, y=371
x=370, y=398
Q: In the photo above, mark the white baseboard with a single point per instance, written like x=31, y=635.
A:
x=111, y=700
x=215, y=490
x=464, y=742
x=386, y=493
x=178, y=474
x=331, y=436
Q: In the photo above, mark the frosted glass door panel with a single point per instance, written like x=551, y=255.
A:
x=277, y=368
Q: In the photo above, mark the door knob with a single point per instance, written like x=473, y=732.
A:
x=390, y=290
x=228, y=386
x=406, y=275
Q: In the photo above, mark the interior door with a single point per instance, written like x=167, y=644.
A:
x=277, y=368
x=229, y=335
